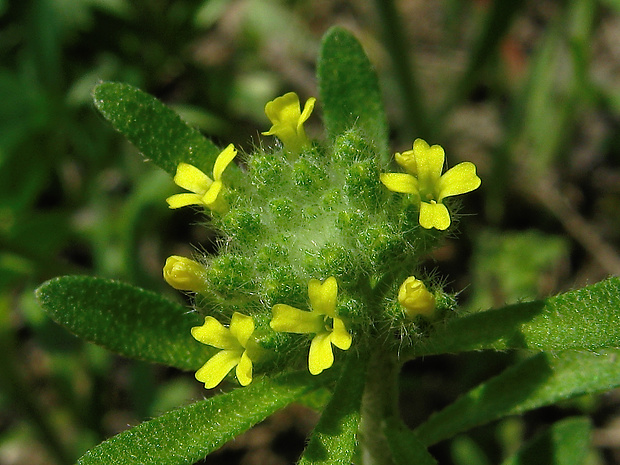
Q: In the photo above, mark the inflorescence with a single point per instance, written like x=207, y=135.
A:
x=320, y=247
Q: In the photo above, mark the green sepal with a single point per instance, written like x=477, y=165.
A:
x=156, y=130
x=565, y=443
x=538, y=381
x=190, y=433
x=588, y=318
x=404, y=445
x=125, y=319
x=333, y=440
x=349, y=90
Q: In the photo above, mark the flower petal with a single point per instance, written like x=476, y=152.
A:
x=244, y=370
x=429, y=162
x=210, y=199
x=323, y=296
x=407, y=161
x=283, y=109
x=340, y=336
x=400, y=182
x=289, y=319
x=308, y=107
x=434, y=215
x=217, y=367
x=183, y=200
x=213, y=333
x=223, y=160
x=321, y=356
x=241, y=327
x=459, y=179
x=191, y=178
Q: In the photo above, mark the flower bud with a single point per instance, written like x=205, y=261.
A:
x=184, y=274
x=415, y=298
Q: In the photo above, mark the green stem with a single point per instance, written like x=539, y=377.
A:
x=379, y=403
x=417, y=121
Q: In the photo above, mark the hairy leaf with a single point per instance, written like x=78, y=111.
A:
x=350, y=91
x=189, y=434
x=333, y=440
x=588, y=318
x=538, y=381
x=125, y=319
x=405, y=446
x=155, y=129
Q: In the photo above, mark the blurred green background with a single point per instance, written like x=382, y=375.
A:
x=528, y=90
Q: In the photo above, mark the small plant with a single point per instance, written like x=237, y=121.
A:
x=318, y=285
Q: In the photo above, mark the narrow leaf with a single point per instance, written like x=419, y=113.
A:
x=588, y=318
x=538, y=381
x=189, y=434
x=125, y=319
x=565, y=443
x=405, y=446
x=350, y=91
x=333, y=440
x=153, y=128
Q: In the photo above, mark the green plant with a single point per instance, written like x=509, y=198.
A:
x=326, y=227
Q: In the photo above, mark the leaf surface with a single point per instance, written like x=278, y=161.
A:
x=190, y=433
x=125, y=319
x=538, y=381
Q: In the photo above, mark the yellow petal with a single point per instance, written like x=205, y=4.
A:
x=191, y=178
x=434, y=215
x=184, y=274
x=415, y=298
x=323, y=296
x=400, y=182
x=183, y=200
x=340, y=336
x=283, y=109
x=214, y=334
x=321, y=356
x=223, y=160
x=217, y=367
x=429, y=162
x=308, y=107
x=213, y=199
x=244, y=370
x=289, y=319
x=407, y=161
x=459, y=179
x=241, y=327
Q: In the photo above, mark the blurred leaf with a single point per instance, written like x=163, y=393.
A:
x=465, y=451
x=333, y=440
x=405, y=447
x=587, y=318
x=565, y=443
x=538, y=381
x=155, y=129
x=189, y=434
x=125, y=319
x=349, y=90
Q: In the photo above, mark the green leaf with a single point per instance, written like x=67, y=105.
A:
x=350, y=91
x=565, y=443
x=189, y=434
x=538, y=381
x=333, y=440
x=156, y=130
x=588, y=318
x=405, y=446
x=125, y=319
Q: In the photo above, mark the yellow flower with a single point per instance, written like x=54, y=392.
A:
x=205, y=191
x=288, y=121
x=424, y=165
x=239, y=349
x=415, y=298
x=184, y=274
x=320, y=321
